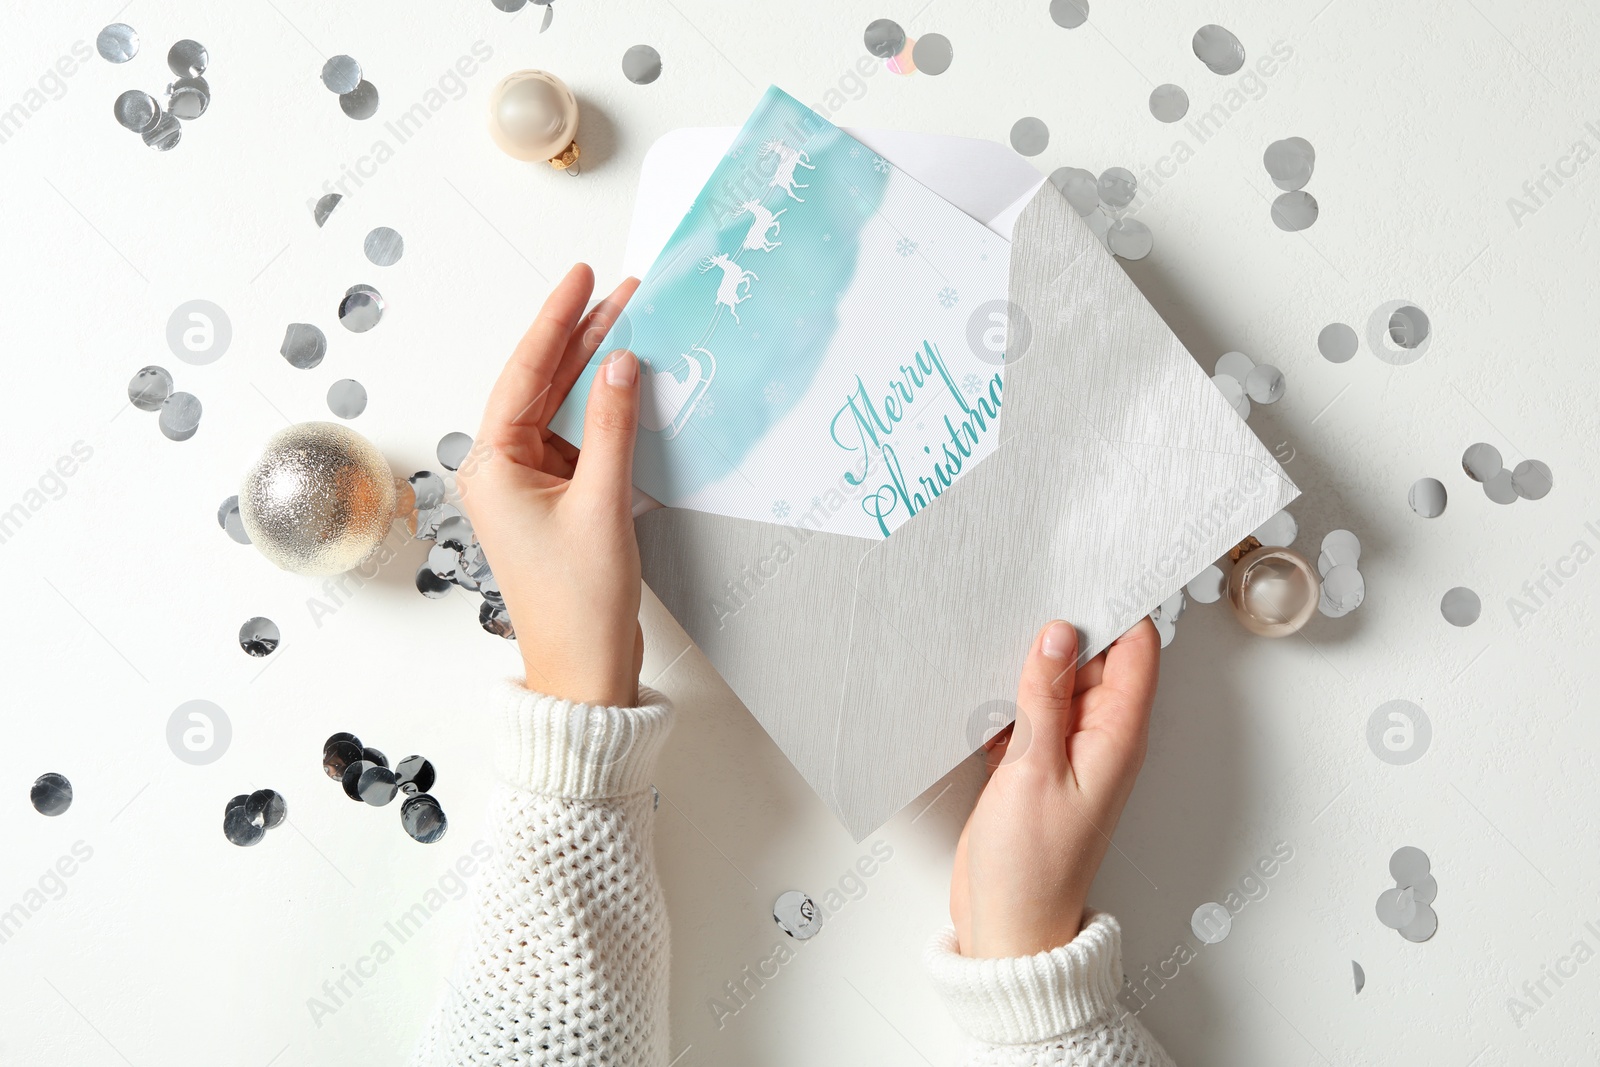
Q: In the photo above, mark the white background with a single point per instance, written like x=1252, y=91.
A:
x=172, y=946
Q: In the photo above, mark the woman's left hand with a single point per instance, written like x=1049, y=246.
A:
x=557, y=525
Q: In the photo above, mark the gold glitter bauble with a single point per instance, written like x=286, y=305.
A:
x=318, y=500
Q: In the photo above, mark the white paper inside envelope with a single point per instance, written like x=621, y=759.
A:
x=1121, y=473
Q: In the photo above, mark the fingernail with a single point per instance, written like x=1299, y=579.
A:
x=621, y=368
x=1058, y=641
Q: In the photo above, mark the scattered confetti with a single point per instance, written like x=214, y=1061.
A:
x=51, y=794
x=1169, y=103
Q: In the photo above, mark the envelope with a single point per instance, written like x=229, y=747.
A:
x=1121, y=473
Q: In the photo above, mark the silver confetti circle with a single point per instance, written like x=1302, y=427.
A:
x=1207, y=586
x=1169, y=103
x=239, y=827
x=1501, y=488
x=1408, y=865
x=1290, y=162
x=51, y=794
x=1532, y=479
x=341, y=74
x=1344, y=589
x=641, y=64
x=1218, y=49
x=414, y=775
x=1081, y=188
x=361, y=309
x=149, y=388
x=339, y=753
x=259, y=637
x=496, y=620
x=932, y=53
x=884, y=38
x=1264, y=384
x=350, y=781
x=136, y=110
x=430, y=585
x=429, y=488
x=164, y=133
x=347, y=398
x=180, y=416
x=797, y=915
x=1279, y=531
x=1117, y=187
x=377, y=785
x=1337, y=342
x=304, y=345
x=1029, y=136
x=1069, y=14
x=228, y=519
x=1396, y=907
x=188, y=59
x=1422, y=926
x=1235, y=365
x=1482, y=461
x=1230, y=388
x=266, y=808
x=1295, y=211
x=1460, y=606
x=1342, y=547
x=384, y=246
x=1424, y=890
x=188, y=98
x=325, y=205
x=1427, y=497
x=360, y=102
x=1130, y=239
x=117, y=43
x=452, y=449
x=423, y=819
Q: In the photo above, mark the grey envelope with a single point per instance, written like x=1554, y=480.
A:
x=1121, y=473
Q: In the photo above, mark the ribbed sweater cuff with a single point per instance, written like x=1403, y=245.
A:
x=1031, y=998
x=580, y=751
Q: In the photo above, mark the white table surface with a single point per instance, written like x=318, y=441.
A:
x=169, y=945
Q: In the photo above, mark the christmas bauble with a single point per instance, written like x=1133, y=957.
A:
x=1273, y=591
x=318, y=500
x=534, y=116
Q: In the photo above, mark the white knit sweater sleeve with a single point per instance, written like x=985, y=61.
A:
x=566, y=958
x=1056, y=1009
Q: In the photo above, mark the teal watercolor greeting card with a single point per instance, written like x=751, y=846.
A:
x=821, y=341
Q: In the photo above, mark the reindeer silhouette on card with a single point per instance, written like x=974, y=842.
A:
x=763, y=226
x=788, y=160
x=735, y=287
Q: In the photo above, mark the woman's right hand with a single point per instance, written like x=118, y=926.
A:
x=1059, y=779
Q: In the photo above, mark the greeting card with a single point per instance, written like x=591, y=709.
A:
x=821, y=342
